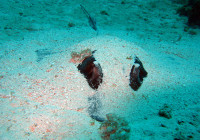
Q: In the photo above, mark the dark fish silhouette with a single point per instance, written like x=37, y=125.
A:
x=91, y=20
x=92, y=71
x=137, y=74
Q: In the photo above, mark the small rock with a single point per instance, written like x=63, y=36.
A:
x=165, y=111
x=70, y=24
x=162, y=125
x=104, y=13
x=180, y=122
x=114, y=128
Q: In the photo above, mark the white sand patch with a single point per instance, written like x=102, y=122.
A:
x=58, y=83
x=49, y=99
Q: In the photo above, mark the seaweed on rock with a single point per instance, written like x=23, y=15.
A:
x=78, y=57
x=114, y=128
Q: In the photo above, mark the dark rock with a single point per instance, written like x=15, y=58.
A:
x=165, y=111
x=104, y=13
x=162, y=125
x=137, y=74
x=70, y=24
x=123, y=2
x=192, y=11
x=180, y=122
x=20, y=13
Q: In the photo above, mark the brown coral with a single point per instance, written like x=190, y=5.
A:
x=78, y=57
x=114, y=128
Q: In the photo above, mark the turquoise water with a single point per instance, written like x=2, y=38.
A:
x=43, y=95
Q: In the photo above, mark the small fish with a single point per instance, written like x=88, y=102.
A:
x=42, y=53
x=91, y=20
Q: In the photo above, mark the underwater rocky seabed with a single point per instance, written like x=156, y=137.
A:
x=37, y=38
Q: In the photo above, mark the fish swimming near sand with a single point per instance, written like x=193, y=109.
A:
x=43, y=53
x=137, y=74
x=91, y=20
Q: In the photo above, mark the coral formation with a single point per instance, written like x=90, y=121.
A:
x=79, y=57
x=114, y=128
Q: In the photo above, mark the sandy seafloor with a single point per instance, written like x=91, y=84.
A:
x=46, y=97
